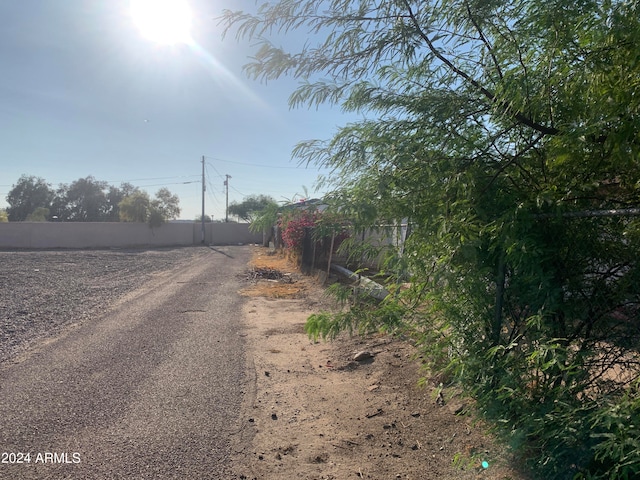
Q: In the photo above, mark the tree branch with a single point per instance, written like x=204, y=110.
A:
x=519, y=116
x=484, y=40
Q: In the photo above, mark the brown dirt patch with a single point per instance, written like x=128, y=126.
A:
x=290, y=284
x=313, y=412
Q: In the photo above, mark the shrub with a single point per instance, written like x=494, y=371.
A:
x=294, y=228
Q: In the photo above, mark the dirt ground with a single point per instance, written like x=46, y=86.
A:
x=314, y=412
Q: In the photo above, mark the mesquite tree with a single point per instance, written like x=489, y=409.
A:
x=507, y=134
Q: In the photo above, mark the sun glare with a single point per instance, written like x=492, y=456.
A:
x=163, y=21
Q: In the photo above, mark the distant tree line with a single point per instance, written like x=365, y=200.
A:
x=88, y=200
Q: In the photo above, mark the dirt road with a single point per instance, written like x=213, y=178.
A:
x=178, y=363
x=150, y=388
x=312, y=412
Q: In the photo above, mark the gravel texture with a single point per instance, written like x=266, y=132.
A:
x=45, y=291
x=148, y=385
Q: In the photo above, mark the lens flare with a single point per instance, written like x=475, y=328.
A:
x=163, y=21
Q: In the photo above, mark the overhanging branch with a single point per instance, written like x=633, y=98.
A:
x=519, y=116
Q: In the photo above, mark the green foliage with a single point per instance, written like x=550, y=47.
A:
x=331, y=224
x=85, y=200
x=27, y=195
x=252, y=207
x=114, y=196
x=135, y=207
x=165, y=206
x=155, y=218
x=4, y=217
x=138, y=207
x=295, y=219
x=361, y=318
x=499, y=132
x=265, y=218
x=40, y=214
x=466, y=462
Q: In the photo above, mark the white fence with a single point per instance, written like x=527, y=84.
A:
x=120, y=235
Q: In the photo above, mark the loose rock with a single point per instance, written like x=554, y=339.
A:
x=363, y=356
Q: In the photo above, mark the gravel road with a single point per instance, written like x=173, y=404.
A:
x=120, y=364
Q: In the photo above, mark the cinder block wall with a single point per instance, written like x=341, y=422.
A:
x=107, y=235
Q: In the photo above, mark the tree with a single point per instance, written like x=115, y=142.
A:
x=3, y=216
x=139, y=207
x=251, y=206
x=135, y=207
x=40, y=214
x=114, y=196
x=167, y=204
x=84, y=200
x=502, y=132
x=266, y=221
x=28, y=194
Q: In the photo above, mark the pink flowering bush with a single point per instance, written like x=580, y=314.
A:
x=293, y=232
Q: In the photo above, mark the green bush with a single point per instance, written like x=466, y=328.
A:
x=506, y=135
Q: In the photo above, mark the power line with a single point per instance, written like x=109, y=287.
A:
x=211, y=192
x=165, y=184
x=237, y=191
x=152, y=178
x=210, y=188
x=254, y=164
x=215, y=169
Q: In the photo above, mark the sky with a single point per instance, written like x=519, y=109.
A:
x=84, y=92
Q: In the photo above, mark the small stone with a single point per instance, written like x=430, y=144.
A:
x=363, y=356
x=274, y=416
x=457, y=408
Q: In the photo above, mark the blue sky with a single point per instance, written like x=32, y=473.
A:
x=82, y=93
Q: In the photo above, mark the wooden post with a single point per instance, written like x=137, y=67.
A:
x=333, y=238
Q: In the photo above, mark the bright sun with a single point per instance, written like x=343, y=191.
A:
x=163, y=21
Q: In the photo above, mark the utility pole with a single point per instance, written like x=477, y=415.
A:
x=226, y=184
x=203, y=190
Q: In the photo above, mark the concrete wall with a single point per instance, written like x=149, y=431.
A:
x=107, y=235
